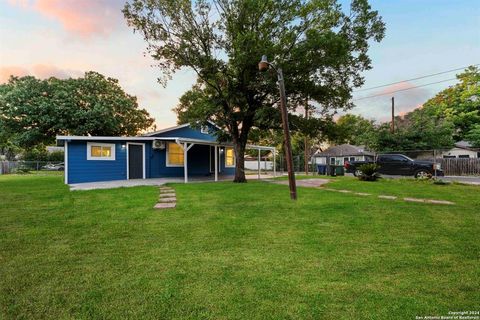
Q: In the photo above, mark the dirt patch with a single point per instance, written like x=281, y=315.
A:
x=309, y=183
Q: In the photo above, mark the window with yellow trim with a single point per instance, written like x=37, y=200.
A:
x=174, y=155
x=229, y=157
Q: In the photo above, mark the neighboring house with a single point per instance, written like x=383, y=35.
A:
x=52, y=149
x=181, y=151
x=338, y=155
x=462, y=149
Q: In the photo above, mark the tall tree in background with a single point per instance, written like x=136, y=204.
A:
x=321, y=49
x=459, y=104
x=353, y=129
x=34, y=111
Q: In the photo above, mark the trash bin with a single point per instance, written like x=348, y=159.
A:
x=336, y=171
x=331, y=171
x=322, y=169
x=339, y=171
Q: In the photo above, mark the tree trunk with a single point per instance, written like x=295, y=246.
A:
x=240, y=161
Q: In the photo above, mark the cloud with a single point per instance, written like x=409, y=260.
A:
x=6, y=72
x=41, y=71
x=379, y=107
x=82, y=17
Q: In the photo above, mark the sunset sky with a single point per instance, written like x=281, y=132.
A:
x=65, y=38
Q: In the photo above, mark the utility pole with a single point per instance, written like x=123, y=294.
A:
x=392, y=126
x=263, y=66
x=306, y=154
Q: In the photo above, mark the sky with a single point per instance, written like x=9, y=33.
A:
x=65, y=38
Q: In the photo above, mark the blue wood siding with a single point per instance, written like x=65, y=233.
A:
x=82, y=170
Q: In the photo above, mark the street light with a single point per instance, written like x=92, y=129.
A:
x=263, y=65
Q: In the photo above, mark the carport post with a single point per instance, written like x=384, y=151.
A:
x=259, y=164
x=274, y=162
x=216, y=163
x=185, y=166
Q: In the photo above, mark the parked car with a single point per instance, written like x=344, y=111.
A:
x=54, y=167
x=398, y=164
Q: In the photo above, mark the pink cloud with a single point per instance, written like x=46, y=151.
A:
x=41, y=71
x=83, y=17
x=6, y=72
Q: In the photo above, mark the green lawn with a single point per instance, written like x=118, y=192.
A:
x=236, y=251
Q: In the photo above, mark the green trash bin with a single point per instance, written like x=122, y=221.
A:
x=339, y=171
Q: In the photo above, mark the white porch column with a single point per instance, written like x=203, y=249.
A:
x=274, y=164
x=216, y=163
x=259, y=155
x=185, y=165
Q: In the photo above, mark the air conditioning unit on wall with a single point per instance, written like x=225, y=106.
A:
x=158, y=144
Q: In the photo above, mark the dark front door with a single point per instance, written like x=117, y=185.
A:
x=135, y=161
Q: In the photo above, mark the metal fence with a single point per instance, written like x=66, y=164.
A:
x=9, y=167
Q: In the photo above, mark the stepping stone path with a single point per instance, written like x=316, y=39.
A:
x=319, y=184
x=167, y=199
x=382, y=196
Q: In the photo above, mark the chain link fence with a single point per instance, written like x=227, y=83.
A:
x=11, y=167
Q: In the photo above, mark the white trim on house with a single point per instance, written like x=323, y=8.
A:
x=143, y=160
x=167, y=164
x=65, y=162
x=101, y=158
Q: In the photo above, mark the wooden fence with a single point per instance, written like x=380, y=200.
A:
x=460, y=167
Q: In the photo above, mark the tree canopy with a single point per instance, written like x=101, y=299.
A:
x=458, y=104
x=34, y=111
x=321, y=47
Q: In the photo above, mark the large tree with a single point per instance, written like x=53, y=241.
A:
x=353, y=129
x=321, y=47
x=34, y=111
x=458, y=104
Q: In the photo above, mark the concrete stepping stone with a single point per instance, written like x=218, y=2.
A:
x=344, y=191
x=414, y=200
x=387, y=197
x=165, y=205
x=362, y=194
x=167, y=190
x=439, y=201
x=171, y=199
x=167, y=195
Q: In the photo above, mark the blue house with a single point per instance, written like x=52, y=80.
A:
x=181, y=151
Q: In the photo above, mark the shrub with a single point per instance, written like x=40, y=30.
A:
x=440, y=182
x=369, y=172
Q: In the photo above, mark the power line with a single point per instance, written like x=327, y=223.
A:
x=387, y=93
x=417, y=78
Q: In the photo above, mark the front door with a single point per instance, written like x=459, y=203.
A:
x=135, y=161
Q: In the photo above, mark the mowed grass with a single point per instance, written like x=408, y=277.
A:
x=236, y=251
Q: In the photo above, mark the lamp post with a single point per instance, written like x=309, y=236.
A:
x=263, y=65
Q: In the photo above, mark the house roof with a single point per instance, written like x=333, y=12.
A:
x=175, y=139
x=149, y=134
x=464, y=145
x=344, y=150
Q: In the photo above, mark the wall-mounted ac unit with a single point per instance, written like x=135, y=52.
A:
x=158, y=144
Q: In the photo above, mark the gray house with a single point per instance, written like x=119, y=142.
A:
x=338, y=155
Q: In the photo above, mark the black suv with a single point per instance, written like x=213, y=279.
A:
x=398, y=164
